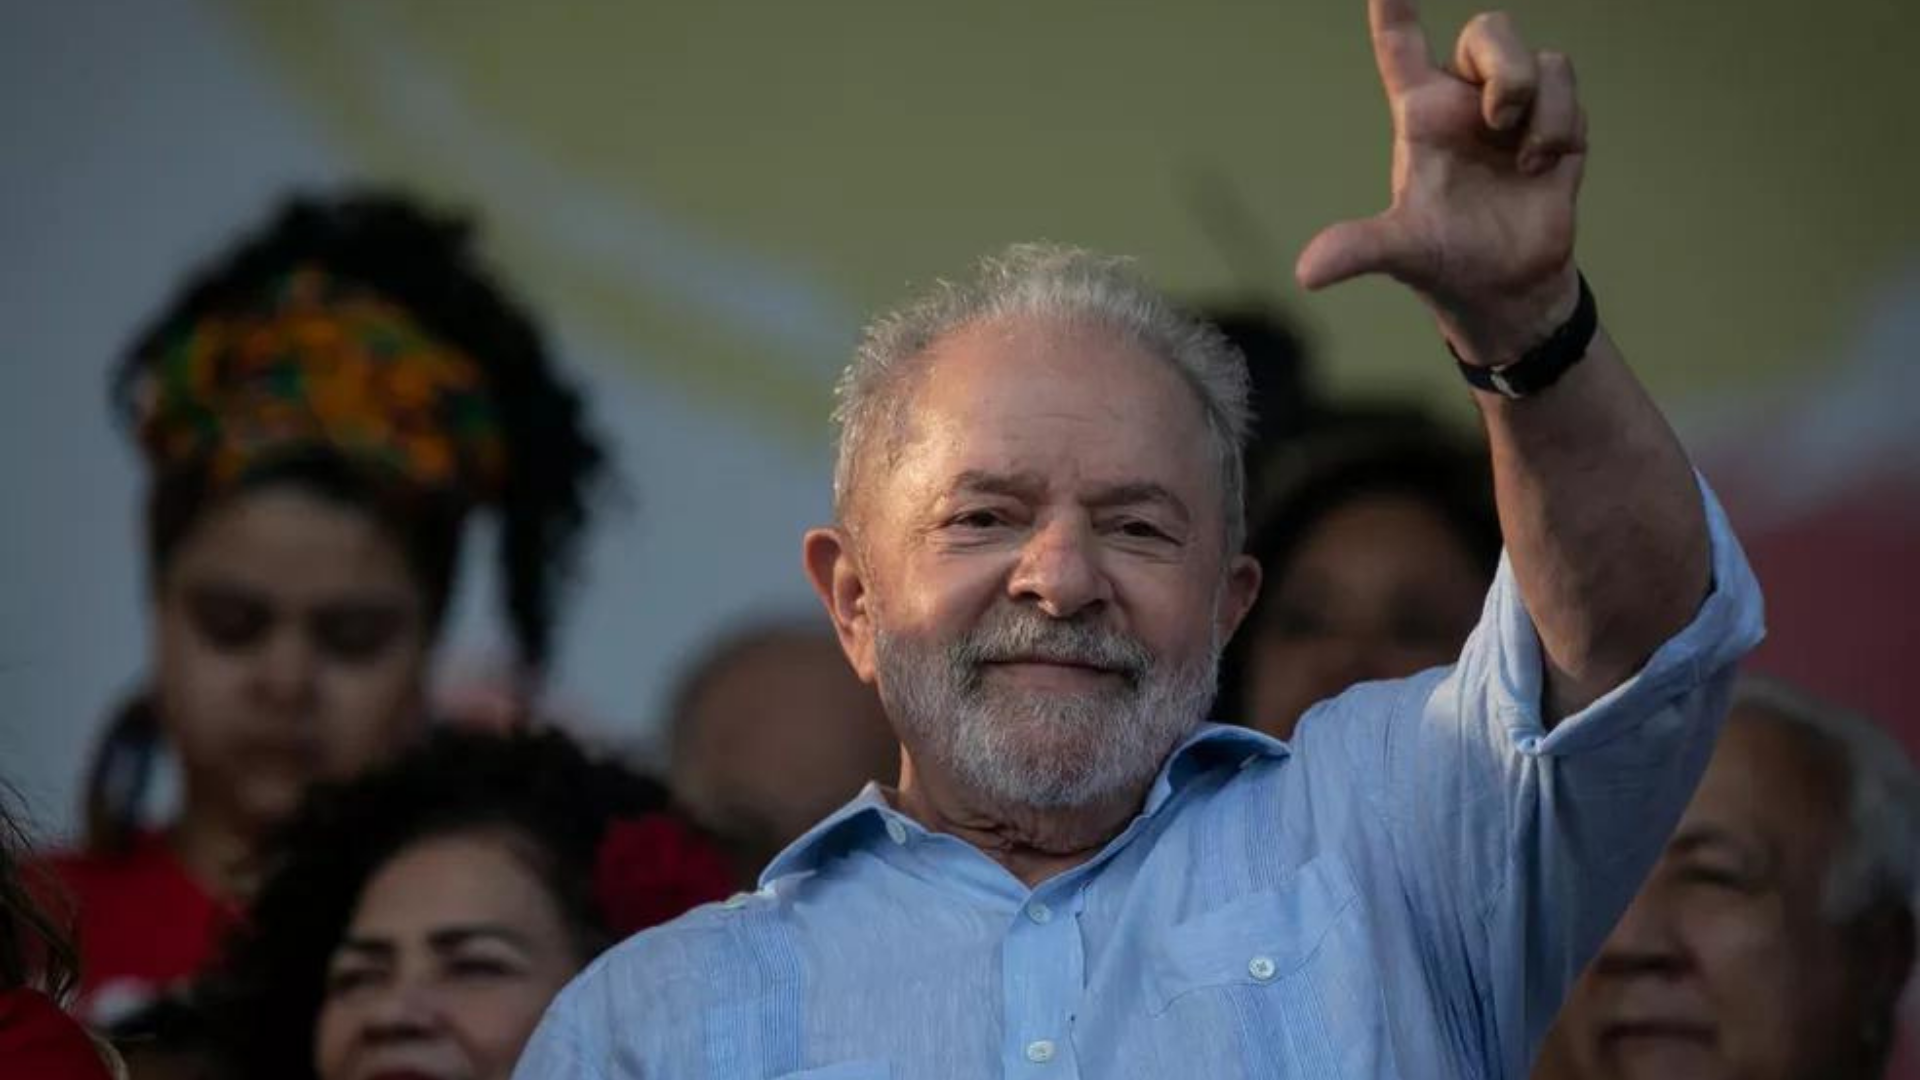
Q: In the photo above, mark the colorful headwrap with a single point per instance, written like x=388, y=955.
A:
x=326, y=366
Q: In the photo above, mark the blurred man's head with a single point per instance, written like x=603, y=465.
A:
x=771, y=733
x=1773, y=938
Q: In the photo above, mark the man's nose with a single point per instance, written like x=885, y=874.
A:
x=1060, y=570
x=1645, y=941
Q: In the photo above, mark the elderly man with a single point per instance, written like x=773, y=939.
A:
x=1777, y=931
x=1036, y=563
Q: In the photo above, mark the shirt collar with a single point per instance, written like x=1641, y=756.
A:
x=868, y=816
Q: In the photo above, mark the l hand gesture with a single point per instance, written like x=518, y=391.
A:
x=1487, y=159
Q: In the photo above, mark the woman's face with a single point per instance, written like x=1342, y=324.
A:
x=291, y=643
x=452, y=956
x=1379, y=588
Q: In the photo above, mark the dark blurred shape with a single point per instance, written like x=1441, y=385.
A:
x=1376, y=529
x=167, y=1039
x=1776, y=934
x=771, y=732
x=1283, y=395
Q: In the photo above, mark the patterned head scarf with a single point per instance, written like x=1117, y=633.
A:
x=323, y=366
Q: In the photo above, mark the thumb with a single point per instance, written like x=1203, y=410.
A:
x=1348, y=250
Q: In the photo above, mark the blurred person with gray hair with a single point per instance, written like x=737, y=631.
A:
x=769, y=733
x=1776, y=934
x=1036, y=559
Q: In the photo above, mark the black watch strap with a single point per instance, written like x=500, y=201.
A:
x=1543, y=364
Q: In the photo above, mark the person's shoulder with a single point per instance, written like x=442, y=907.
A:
x=680, y=963
x=90, y=878
x=1364, y=710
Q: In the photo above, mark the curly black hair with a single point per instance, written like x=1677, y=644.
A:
x=1343, y=454
x=540, y=788
x=422, y=260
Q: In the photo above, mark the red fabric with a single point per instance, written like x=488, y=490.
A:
x=144, y=924
x=654, y=868
x=38, y=1040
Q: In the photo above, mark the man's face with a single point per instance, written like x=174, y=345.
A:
x=1725, y=966
x=1037, y=581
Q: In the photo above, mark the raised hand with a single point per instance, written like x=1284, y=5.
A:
x=1487, y=160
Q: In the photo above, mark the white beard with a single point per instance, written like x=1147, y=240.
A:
x=1044, y=750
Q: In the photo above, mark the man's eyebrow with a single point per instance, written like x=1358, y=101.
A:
x=1022, y=485
x=1695, y=837
x=1028, y=486
x=1136, y=492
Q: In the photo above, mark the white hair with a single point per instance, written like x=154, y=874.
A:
x=1878, y=859
x=1049, y=281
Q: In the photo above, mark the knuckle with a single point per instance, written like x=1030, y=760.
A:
x=1488, y=21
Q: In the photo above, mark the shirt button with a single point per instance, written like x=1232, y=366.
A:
x=1039, y=912
x=1040, y=1051
x=1261, y=968
x=896, y=831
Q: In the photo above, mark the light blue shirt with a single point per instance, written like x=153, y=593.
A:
x=1404, y=891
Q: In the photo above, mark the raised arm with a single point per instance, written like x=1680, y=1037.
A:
x=1603, y=520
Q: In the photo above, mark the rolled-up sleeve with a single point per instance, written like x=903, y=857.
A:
x=1518, y=847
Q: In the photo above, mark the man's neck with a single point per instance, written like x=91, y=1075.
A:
x=1034, y=845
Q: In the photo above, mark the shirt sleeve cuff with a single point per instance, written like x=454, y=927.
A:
x=1728, y=625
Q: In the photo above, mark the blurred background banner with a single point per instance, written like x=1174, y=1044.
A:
x=705, y=200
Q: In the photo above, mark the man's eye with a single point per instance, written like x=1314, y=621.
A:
x=978, y=519
x=1137, y=529
x=1718, y=877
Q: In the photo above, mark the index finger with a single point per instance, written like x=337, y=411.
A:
x=1399, y=43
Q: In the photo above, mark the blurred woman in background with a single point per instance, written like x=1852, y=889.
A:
x=418, y=921
x=1377, y=532
x=321, y=412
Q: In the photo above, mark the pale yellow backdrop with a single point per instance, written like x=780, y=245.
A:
x=1755, y=166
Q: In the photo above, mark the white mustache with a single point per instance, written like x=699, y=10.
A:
x=1018, y=635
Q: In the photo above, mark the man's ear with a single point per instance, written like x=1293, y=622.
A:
x=837, y=577
x=1243, y=588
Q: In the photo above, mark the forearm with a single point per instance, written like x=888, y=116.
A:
x=1603, y=523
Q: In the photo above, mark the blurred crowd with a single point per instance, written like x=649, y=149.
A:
x=355, y=866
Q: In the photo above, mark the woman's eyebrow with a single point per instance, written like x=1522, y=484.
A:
x=452, y=937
